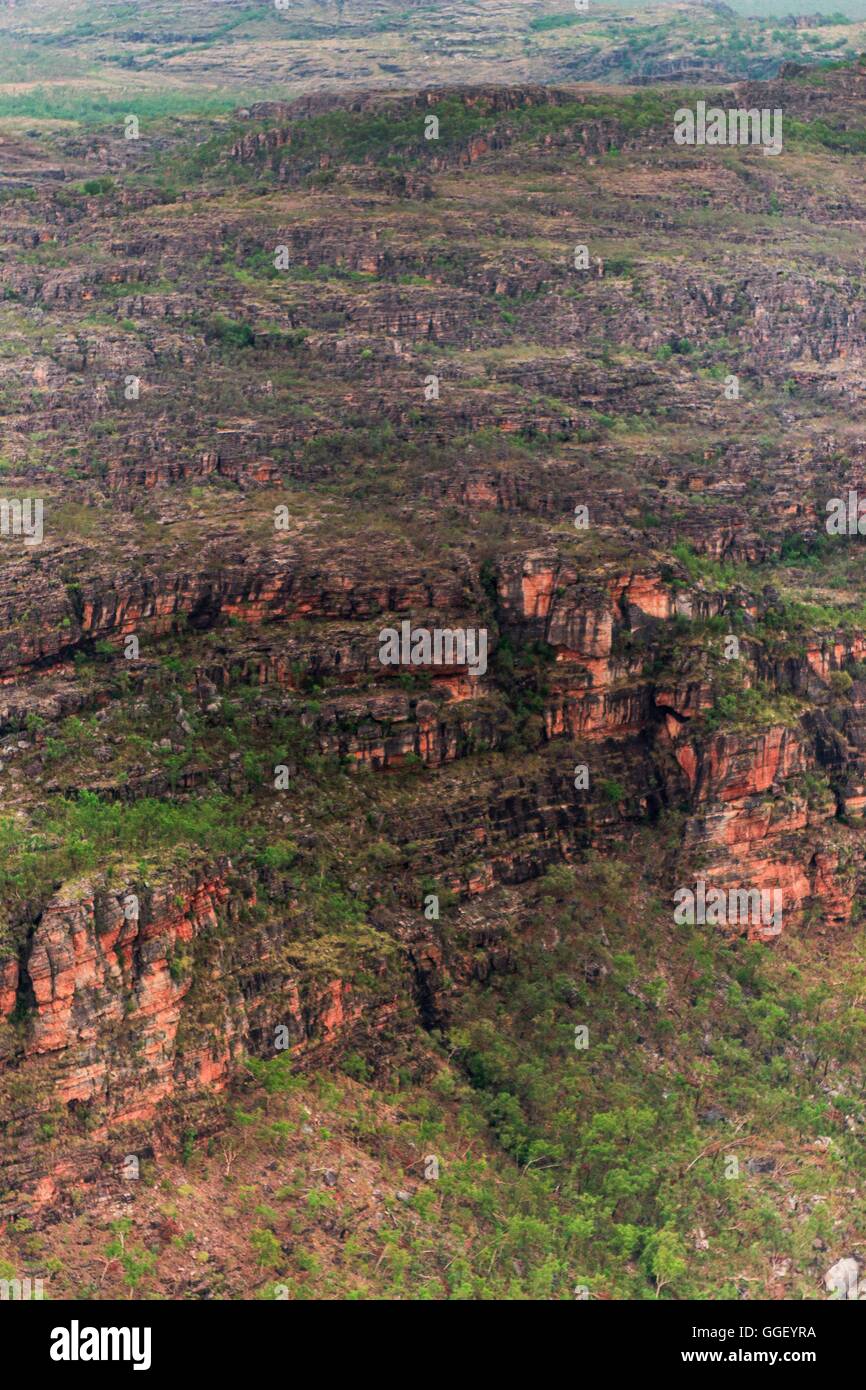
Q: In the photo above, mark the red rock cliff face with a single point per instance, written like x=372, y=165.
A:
x=105, y=1003
x=744, y=828
x=754, y=822
x=751, y=822
x=133, y=1010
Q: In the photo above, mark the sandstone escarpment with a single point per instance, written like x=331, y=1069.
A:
x=282, y=409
